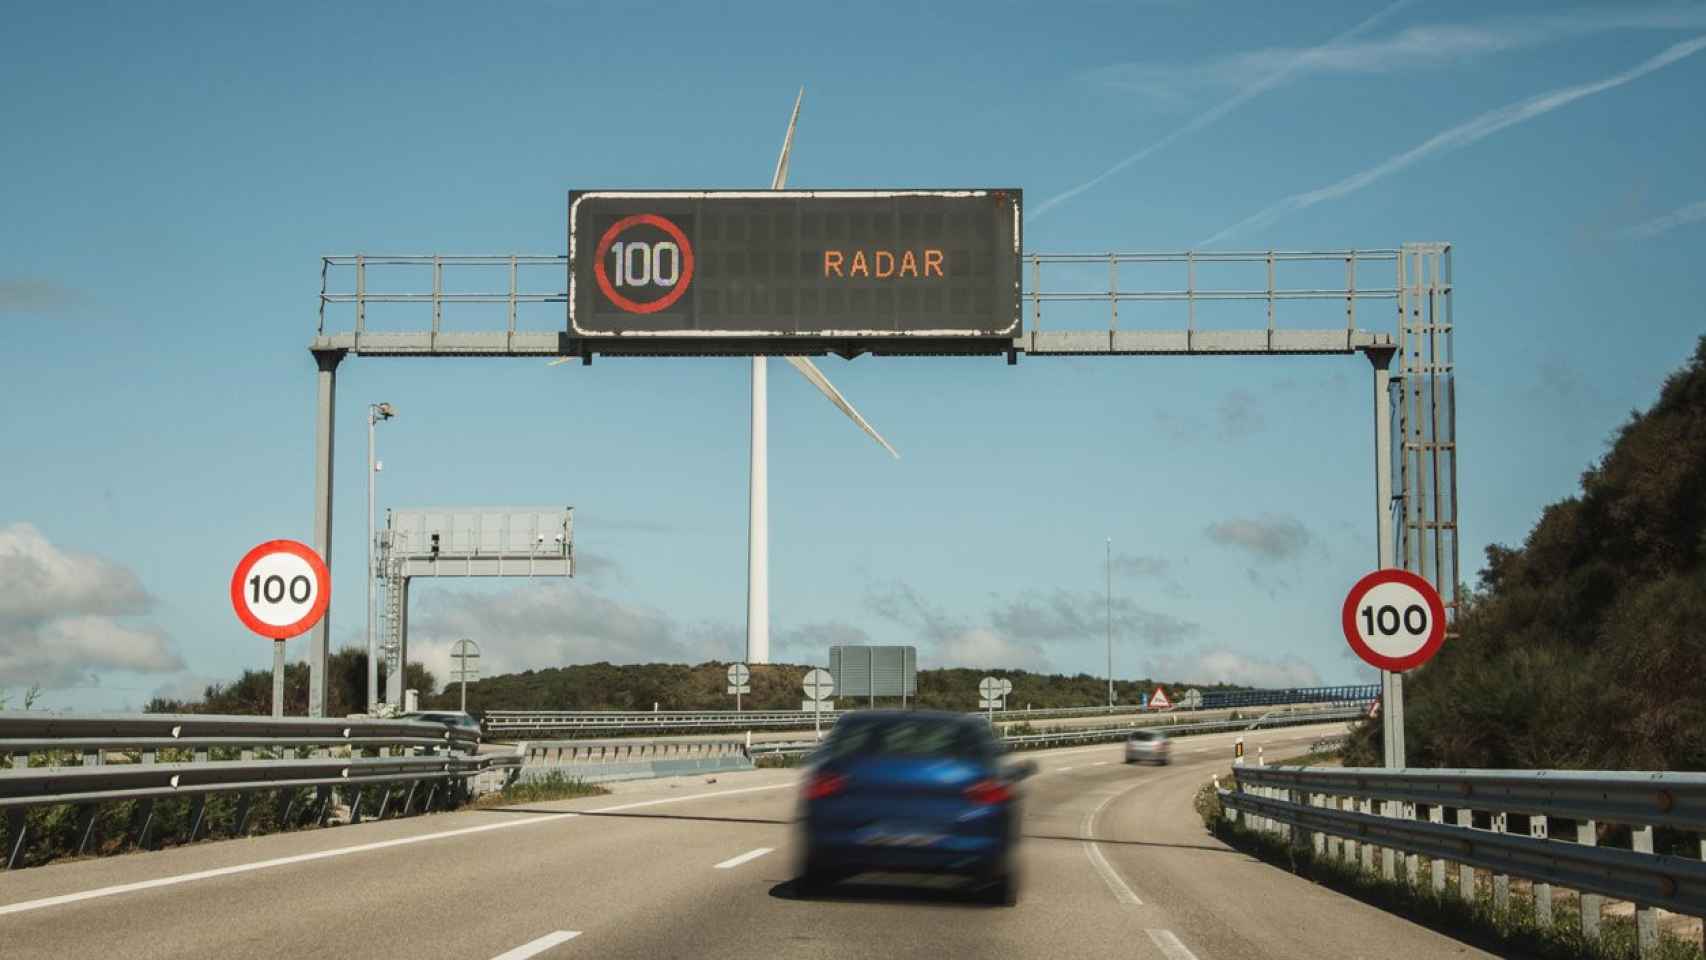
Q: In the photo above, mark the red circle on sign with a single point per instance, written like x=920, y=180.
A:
x=322, y=598
x=634, y=306
x=1436, y=611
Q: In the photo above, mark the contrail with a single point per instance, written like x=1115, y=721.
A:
x=1220, y=110
x=1693, y=213
x=1465, y=134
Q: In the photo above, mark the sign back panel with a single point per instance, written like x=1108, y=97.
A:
x=848, y=271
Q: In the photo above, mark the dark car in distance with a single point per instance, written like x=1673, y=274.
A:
x=462, y=727
x=911, y=791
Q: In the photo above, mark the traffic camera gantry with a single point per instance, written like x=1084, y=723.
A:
x=753, y=273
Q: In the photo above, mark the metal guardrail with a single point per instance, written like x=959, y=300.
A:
x=93, y=759
x=567, y=752
x=1333, y=809
x=1041, y=741
x=498, y=722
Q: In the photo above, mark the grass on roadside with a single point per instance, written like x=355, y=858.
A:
x=554, y=785
x=774, y=760
x=1515, y=929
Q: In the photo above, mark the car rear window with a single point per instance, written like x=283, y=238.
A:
x=908, y=738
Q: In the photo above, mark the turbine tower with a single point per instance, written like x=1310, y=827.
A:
x=758, y=502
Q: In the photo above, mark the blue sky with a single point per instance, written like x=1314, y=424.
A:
x=173, y=175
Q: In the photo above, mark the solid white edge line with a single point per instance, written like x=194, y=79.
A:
x=691, y=796
x=1101, y=763
x=1110, y=876
x=99, y=892
x=743, y=858
x=1170, y=945
x=538, y=946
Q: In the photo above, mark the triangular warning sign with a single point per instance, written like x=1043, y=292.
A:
x=1158, y=700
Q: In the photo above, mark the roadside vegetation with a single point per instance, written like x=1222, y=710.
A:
x=1582, y=647
x=1515, y=930
x=553, y=785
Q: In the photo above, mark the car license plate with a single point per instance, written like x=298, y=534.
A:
x=897, y=835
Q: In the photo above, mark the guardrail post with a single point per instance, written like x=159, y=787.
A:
x=1587, y=834
x=1501, y=882
x=86, y=826
x=245, y=803
x=1466, y=873
x=1347, y=846
x=1300, y=838
x=384, y=803
x=1646, y=918
x=143, y=819
x=355, y=807
x=409, y=798
x=1436, y=814
x=17, y=837
x=323, y=801
x=1388, y=855
x=1320, y=839
x=198, y=818
x=1412, y=862
x=1539, y=830
x=1367, y=806
x=285, y=806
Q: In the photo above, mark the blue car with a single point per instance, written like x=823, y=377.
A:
x=894, y=791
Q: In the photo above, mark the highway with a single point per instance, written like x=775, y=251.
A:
x=1114, y=863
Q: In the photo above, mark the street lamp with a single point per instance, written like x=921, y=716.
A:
x=1109, y=567
x=375, y=413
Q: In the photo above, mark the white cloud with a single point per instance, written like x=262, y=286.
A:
x=1425, y=46
x=1240, y=415
x=1463, y=135
x=1271, y=78
x=1222, y=665
x=57, y=615
x=1270, y=538
x=1680, y=217
x=985, y=648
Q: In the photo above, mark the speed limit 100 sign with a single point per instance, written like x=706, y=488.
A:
x=281, y=589
x=1394, y=620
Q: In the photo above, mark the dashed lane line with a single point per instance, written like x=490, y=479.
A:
x=750, y=855
x=536, y=947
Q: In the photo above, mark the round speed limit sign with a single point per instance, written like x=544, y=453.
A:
x=281, y=589
x=1394, y=620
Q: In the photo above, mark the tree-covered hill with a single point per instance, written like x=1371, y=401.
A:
x=1586, y=646
x=605, y=686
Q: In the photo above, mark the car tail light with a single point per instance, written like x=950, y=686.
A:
x=988, y=792
x=823, y=785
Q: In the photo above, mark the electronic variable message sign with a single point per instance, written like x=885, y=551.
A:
x=794, y=271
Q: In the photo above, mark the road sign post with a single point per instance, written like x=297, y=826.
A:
x=739, y=674
x=1395, y=621
x=463, y=651
x=819, y=687
x=990, y=691
x=279, y=590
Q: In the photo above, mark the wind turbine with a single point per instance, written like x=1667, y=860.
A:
x=758, y=505
x=758, y=491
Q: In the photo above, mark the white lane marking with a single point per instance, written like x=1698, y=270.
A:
x=1110, y=876
x=99, y=892
x=1064, y=769
x=1101, y=763
x=733, y=862
x=1170, y=945
x=691, y=796
x=540, y=945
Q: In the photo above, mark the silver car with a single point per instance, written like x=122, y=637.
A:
x=462, y=727
x=1147, y=746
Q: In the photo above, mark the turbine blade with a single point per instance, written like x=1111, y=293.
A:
x=781, y=177
x=810, y=371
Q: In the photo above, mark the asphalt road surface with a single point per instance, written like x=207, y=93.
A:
x=1114, y=863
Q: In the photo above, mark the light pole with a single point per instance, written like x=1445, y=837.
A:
x=1109, y=568
x=375, y=413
